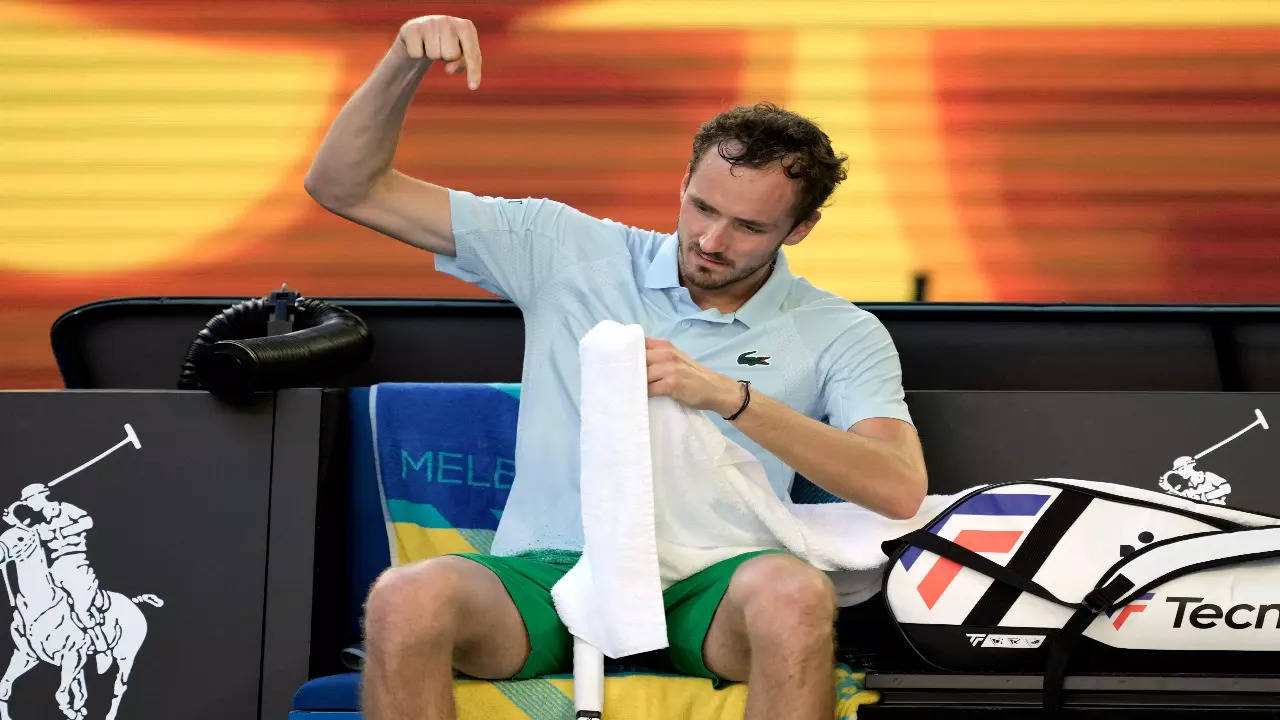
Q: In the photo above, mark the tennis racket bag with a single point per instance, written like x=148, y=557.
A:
x=1050, y=576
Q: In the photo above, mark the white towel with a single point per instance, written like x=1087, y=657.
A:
x=713, y=501
x=611, y=598
x=665, y=494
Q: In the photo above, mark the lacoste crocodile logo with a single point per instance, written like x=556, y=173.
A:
x=747, y=358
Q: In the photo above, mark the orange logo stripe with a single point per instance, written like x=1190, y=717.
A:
x=935, y=582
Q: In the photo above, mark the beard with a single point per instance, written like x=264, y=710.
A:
x=721, y=276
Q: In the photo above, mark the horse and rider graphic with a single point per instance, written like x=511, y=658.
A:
x=1188, y=481
x=61, y=614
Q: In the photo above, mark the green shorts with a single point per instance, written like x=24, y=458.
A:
x=690, y=603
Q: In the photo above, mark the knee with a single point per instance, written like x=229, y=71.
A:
x=413, y=602
x=788, y=601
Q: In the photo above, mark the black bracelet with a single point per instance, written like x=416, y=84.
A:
x=746, y=400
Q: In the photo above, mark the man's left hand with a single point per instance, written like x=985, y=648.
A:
x=674, y=374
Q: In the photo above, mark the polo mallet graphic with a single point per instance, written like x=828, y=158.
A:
x=1260, y=420
x=1173, y=481
x=130, y=438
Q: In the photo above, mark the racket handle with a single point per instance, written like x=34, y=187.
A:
x=588, y=679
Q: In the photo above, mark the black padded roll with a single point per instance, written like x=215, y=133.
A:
x=231, y=357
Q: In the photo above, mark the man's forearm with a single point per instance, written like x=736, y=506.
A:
x=82, y=525
x=867, y=471
x=361, y=144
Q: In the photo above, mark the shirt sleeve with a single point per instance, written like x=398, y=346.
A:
x=513, y=248
x=72, y=513
x=864, y=376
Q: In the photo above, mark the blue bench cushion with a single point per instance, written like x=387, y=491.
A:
x=332, y=692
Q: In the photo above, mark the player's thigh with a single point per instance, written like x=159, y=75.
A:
x=491, y=640
x=768, y=596
x=546, y=643
x=446, y=604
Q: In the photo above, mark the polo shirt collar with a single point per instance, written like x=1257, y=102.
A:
x=663, y=270
x=764, y=305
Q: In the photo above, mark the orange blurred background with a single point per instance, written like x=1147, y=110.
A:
x=1050, y=151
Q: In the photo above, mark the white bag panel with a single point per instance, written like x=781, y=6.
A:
x=1221, y=512
x=1087, y=549
x=1228, y=608
x=1149, y=567
x=1031, y=611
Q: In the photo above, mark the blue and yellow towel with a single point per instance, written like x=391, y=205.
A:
x=633, y=697
x=446, y=457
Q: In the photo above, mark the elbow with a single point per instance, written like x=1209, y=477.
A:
x=904, y=509
x=907, y=501
x=312, y=187
x=331, y=194
x=320, y=191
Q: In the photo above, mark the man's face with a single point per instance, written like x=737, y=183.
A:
x=732, y=222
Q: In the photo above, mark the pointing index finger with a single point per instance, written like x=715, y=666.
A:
x=470, y=52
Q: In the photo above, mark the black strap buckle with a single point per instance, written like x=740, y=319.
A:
x=1101, y=599
x=1097, y=601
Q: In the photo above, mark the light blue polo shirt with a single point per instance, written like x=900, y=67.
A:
x=567, y=271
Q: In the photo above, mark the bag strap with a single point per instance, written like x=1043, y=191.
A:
x=1064, y=641
x=1167, y=560
x=942, y=547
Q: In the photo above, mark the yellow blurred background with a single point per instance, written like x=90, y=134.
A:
x=1046, y=151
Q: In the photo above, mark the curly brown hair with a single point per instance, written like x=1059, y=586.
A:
x=756, y=135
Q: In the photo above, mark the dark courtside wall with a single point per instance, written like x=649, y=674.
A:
x=140, y=343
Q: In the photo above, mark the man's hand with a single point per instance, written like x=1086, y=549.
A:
x=451, y=39
x=673, y=373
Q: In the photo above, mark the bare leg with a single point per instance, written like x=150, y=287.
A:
x=423, y=620
x=774, y=629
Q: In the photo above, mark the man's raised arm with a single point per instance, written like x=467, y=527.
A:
x=351, y=174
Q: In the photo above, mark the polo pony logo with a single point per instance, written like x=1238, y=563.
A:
x=1192, y=482
x=61, y=614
